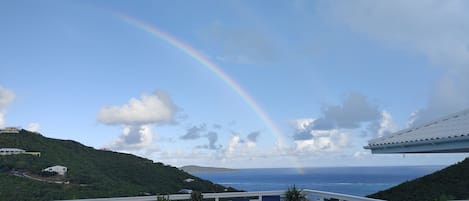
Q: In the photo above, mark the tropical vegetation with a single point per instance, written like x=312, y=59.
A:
x=447, y=184
x=196, y=196
x=91, y=173
x=294, y=194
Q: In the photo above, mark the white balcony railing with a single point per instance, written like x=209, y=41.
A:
x=312, y=195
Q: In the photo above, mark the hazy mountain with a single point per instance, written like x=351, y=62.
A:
x=200, y=169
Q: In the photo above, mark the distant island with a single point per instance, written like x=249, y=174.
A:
x=199, y=169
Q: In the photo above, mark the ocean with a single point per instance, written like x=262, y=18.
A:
x=359, y=181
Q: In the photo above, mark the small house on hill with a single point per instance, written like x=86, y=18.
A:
x=10, y=130
x=14, y=151
x=11, y=151
x=188, y=180
x=184, y=190
x=61, y=170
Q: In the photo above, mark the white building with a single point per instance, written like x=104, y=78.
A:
x=185, y=191
x=188, y=180
x=61, y=170
x=11, y=151
x=10, y=130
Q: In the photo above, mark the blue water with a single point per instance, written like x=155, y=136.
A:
x=359, y=181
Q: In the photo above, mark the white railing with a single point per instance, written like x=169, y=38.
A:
x=253, y=195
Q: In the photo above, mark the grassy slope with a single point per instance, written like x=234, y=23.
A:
x=449, y=183
x=104, y=173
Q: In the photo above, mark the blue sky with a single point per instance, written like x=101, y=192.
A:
x=329, y=74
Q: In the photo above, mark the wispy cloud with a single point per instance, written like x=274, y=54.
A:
x=6, y=97
x=34, y=127
x=194, y=132
x=241, y=44
x=201, y=131
x=212, y=139
x=217, y=126
x=353, y=111
x=252, y=137
x=439, y=30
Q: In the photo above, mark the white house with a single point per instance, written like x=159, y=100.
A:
x=188, y=180
x=11, y=151
x=10, y=130
x=184, y=190
x=61, y=170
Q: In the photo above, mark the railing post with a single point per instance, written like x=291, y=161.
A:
x=216, y=199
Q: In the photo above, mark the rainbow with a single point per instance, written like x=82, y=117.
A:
x=191, y=52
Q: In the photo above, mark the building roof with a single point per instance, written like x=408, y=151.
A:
x=12, y=149
x=449, y=134
x=10, y=130
x=57, y=166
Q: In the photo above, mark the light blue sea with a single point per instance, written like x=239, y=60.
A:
x=359, y=181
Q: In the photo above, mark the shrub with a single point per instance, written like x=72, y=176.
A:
x=196, y=196
x=162, y=198
x=294, y=194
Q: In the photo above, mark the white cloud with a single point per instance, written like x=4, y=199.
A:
x=328, y=141
x=34, y=127
x=137, y=119
x=180, y=157
x=384, y=126
x=308, y=139
x=2, y=120
x=361, y=154
x=6, y=97
x=412, y=118
x=134, y=138
x=153, y=108
x=244, y=148
x=332, y=131
x=232, y=146
x=387, y=124
x=302, y=124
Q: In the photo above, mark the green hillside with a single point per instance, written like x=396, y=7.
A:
x=91, y=173
x=450, y=183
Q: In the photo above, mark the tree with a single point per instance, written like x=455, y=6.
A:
x=294, y=194
x=196, y=196
x=162, y=198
